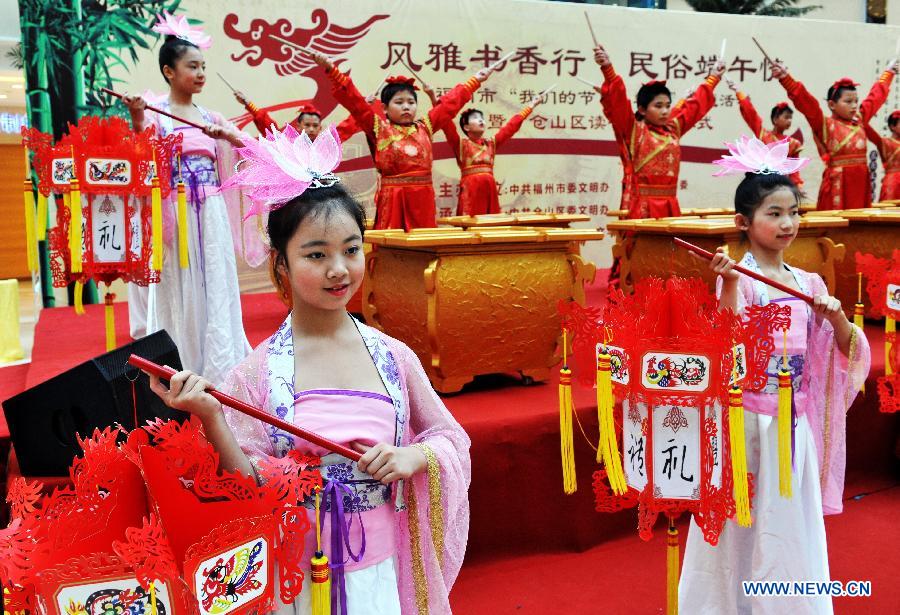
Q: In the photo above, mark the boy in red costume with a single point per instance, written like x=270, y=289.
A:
x=475, y=156
x=649, y=138
x=889, y=150
x=782, y=116
x=840, y=138
x=402, y=144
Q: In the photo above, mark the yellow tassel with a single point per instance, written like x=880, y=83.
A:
x=673, y=563
x=182, y=227
x=79, y=290
x=41, y=217
x=738, y=456
x=75, y=230
x=608, y=447
x=152, y=598
x=567, y=445
x=156, y=219
x=30, y=239
x=858, y=313
x=320, y=579
x=110, y=318
x=784, y=433
x=890, y=330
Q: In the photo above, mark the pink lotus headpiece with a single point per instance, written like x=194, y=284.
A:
x=750, y=155
x=283, y=165
x=180, y=28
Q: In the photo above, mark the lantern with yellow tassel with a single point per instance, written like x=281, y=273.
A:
x=566, y=444
x=676, y=365
x=112, y=180
x=30, y=234
x=883, y=289
x=320, y=577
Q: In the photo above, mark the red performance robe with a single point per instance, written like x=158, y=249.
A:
x=754, y=121
x=263, y=121
x=403, y=154
x=651, y=155
x=889, y=150
x=348, y=127
x=477, y=188
x=841, y=144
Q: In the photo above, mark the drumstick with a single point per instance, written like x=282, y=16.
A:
x=226, y=82
x=415, y=74
x=591, y=28
x=298, y=46
x=756, y=276
x=768, y=59
x=166, y=373
x=500, y=61
x=156, y=110
x=722, y=51
x=586, y=82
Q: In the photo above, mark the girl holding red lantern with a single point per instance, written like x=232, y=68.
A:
x=795, y=425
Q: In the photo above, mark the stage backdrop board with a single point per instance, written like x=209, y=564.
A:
x=564, y=158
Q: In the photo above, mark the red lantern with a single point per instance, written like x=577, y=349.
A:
x=108, y=176
x=883, y=288
x=669, y=370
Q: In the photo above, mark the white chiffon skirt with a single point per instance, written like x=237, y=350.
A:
x=785, y=543
x=370, y=591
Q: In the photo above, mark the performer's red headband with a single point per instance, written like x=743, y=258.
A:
x=846, y=82
x=650, y=84
x=782, y=106
x=894, y=114
x=308, y=109
x=400, y=79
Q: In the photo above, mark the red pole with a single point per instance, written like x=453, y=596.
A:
x=157, y=110
x=756, y=276
x=167, y=372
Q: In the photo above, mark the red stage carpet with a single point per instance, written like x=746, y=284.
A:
x=533, y=549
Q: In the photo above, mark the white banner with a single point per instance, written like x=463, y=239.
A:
x=564, y=159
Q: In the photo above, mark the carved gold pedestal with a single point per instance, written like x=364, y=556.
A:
x=471, y=302
x=645, y=247
x=870, y=231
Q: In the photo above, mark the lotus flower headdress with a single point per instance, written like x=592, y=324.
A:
x=180, y=28
x=750, y=155
x=283, y=165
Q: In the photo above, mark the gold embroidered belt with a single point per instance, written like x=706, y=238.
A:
x=847, y=161
x=406, y=180
x=475, y=170
x=649, y=190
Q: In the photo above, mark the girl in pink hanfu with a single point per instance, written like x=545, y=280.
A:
x=199, y=306
x=828, y=358
x=405, y=523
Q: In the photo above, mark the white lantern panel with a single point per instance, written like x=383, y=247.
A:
x=115, y=596
x=676, y=452
x=233, y=578
x=62, y=170
x=107, y=171
x=893, y=297
x=618, y=363
x=670, y=371
x=717, y=444
x=740, y=364
x=136, y=233
x=109, y=229
x=634, y=444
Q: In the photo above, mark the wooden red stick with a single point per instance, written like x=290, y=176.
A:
x=756, y=276
x=167, y=372
x=157, y=110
